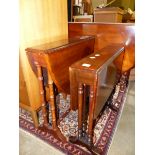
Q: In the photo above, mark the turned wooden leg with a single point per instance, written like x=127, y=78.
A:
x=80, y=102
x=52, y=101
x=35, y=118
x=91, y=110
x=84, y=111
x=42, y=96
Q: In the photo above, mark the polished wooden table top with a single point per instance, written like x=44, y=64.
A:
x=60, y=44
x=58, y=56
x=99, y=59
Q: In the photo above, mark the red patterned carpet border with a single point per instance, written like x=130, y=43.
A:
x=102, y=143
x=47, y=137
x=110, y=128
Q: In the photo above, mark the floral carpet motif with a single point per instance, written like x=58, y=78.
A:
x=103, y=131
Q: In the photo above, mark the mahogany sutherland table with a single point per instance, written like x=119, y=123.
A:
x=50, y=62
x=97, y=71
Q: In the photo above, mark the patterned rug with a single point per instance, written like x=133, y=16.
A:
x=103, y=132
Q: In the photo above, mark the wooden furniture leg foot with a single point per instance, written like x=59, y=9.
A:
x=53, y=108
x=83, y=139
x=93, y=149
x=35, y=118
